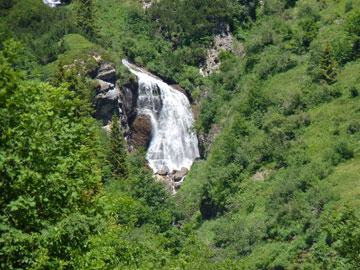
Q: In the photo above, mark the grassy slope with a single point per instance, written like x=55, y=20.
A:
x=319, y=138
x=336, y=116
x=329, y=124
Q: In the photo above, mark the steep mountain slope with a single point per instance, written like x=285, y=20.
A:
x=277, y=186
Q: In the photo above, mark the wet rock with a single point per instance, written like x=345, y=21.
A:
x=141, y=131
x=180, y=89
x=176, y=185
x=166, y=179
x=180, y=174
x=114, y=99
x=162, y=172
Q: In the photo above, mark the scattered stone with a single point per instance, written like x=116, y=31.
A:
x=97, y=58
x=260, y=176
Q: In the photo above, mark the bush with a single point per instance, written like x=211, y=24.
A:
x=354, y=127
x=354, y=92
x=341, y=152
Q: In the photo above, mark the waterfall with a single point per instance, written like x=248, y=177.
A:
x=173, y=144
x=52, y=3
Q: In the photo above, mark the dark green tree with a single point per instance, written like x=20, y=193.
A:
x=69, y=77
x=352, y=27
x=327, y=71
x=117, y=155
x=85, y=18
x=6, y=4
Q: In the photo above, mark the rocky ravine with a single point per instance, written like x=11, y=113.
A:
x=121, y=100
x=112, y=98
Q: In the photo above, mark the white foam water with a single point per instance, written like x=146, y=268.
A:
x=52, y=3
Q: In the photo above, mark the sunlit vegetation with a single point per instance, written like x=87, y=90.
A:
x=279, y=188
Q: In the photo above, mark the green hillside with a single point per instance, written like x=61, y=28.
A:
x=279, y=186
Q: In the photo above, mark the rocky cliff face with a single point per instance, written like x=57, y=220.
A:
x=114, y=99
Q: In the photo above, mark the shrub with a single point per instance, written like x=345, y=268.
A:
x=341, y=152
x=354, y=127
x=354, y=92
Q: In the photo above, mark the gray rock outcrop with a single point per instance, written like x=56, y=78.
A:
x=147, y=3
x=106, y=72
x=223, y=41
x=112, y=99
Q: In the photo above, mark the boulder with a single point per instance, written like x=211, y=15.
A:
x=106, y=104
x=104, y=86
x=162, y=172
x=141, y=131
x=180, y=174
x=106, y=72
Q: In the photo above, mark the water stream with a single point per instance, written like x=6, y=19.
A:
x=173, y=144
x=52, y=3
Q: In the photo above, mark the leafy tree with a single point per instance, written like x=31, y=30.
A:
x=117, y=154
x=309, y=31
x=49, y=173
x=6, y=4
x=8, y=75
x=37, y=27
x=339, y=246
x=353, y=29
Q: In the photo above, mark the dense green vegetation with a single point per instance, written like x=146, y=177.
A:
x=279, y=188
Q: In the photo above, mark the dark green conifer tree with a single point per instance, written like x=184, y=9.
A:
x=75, y=83
x=85, y=18
x=327, y=71
x=352, y=27
x=117, y=154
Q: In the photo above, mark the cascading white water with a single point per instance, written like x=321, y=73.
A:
x=52, y=3
x=173, y=144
